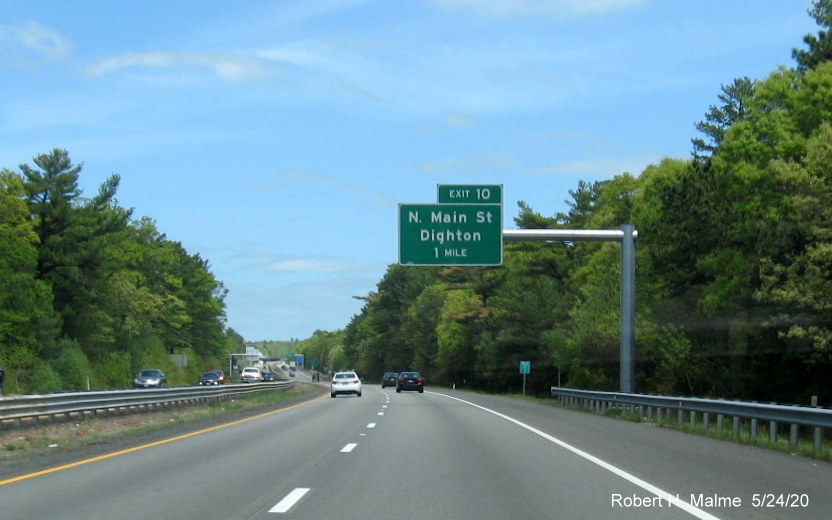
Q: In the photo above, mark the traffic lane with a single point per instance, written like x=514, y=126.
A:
x=432, y=457
x=684, y=463
x=231, y=472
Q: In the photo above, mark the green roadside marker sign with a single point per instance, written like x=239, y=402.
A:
x=469, y=194
x=525, y=367
x=451, y=234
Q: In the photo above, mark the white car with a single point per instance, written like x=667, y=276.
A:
x=251, y=375
x=345, y=383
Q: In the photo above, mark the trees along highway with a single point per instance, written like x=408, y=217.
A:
x=438, y=455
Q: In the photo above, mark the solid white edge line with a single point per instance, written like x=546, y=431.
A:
x=349, y=447
x=664, y=495
x=289, y=500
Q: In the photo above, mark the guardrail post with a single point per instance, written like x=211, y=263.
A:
x=706, y=420
x=794, y=434
x=772, y=431
x=735, y=429
x=817, y=441
x=754, y=428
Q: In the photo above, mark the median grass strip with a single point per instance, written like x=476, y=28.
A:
x=33, y=440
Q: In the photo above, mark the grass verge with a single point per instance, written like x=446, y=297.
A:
x=32, y=440
x=804, y=447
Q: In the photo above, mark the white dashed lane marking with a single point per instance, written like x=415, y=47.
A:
x=298, y=493
x=289, y=500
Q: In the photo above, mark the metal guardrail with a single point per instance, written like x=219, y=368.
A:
x=17, y=411
x=692, y=410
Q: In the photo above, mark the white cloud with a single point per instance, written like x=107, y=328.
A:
x=476, y=165
x=295, y=265
x=230, y=67
x=601, y=167
x=363, y=192
x=462, y=120
x=500, y=8
x=38, y=38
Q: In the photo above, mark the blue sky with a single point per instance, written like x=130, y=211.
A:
x=277, y=138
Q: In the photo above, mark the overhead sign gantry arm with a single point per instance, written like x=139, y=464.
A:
x=627, y=236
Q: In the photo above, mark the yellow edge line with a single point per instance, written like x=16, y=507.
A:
x=152, y=444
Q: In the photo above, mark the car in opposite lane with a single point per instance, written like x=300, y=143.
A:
x=345, y=383
x=150, y=378
x=389, y=379
x=221, y=375
x=410, y=381
x=210, y=378
x=251, y=375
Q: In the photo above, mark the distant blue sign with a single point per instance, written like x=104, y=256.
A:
x=299, y=359
x=525, y=367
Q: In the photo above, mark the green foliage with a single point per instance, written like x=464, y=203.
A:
x=457, y=333
x=733, y=274
x=677, y=367
x=420, y=326
x=797, y=278
x=20, y=363
x=85, y=291
x=820, y=46
x=324, y=350
x=720, y=118
x=72, y=366
x=112, y=371
x=733, y=267
x=45, y=379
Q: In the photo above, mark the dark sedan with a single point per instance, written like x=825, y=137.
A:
x=389, y=379
x=210, y=378
x=410, y=381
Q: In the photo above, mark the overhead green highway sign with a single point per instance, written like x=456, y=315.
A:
x=469, y=194
x=450, y=234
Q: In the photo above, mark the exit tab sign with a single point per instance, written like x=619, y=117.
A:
x=470, y=194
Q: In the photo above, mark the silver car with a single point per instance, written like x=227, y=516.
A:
x=150, y=378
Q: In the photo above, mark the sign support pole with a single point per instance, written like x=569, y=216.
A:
x=626, y=235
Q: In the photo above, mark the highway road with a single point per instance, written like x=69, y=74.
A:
x=439, y=455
